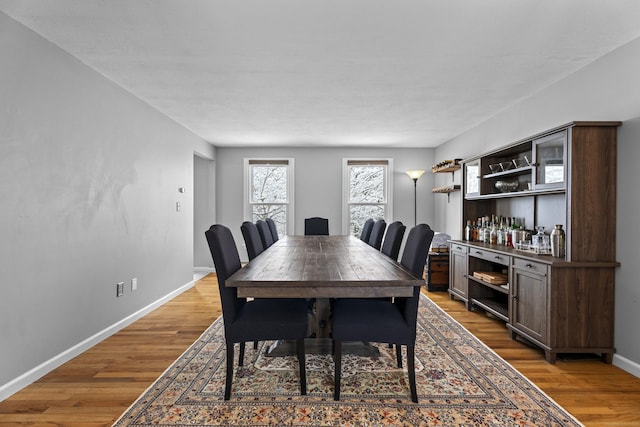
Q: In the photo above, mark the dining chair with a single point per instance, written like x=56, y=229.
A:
x=252, y=239
x=265, y=233
x=316, y=226
x=273, y=228
x=377, y=233
x=383, y=321
x=255, y=320
x=393, y=240
x=366, y=230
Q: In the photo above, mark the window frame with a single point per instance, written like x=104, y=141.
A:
x=388, y=184
x=248, y=204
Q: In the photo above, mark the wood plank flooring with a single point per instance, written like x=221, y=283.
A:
x=96, y=387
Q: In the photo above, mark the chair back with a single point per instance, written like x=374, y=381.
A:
x=273, y=228
x=265, y=233
x=316, y=226
x=252, y=239
x=366, y=230
x=393, y=240
x=414, y=258
x=227, y=261
x=377, y=233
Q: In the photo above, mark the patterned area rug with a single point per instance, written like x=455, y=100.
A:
x=461, y=382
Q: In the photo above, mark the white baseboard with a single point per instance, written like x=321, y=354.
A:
x=200, y=272
x=17, y=384
x=627, y=365
x=204, y=269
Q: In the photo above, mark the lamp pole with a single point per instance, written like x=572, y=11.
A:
x=415, y=175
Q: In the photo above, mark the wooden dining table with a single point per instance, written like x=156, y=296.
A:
x=322, y=268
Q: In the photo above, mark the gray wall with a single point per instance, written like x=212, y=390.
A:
x=318, y=184
x=607, y=89
x=89, y=179
x=203, y=210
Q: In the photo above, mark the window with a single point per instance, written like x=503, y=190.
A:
x=366, y=193
x=269, y=192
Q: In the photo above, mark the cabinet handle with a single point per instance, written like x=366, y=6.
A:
x=528, y=265
x=497, y=257
x=478, y=253
x=515, y=297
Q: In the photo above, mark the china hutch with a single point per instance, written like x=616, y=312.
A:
x=567, y=176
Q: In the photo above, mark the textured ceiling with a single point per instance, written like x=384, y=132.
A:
x=392, y=73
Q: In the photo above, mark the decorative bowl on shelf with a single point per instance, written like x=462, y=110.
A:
x=507, y=186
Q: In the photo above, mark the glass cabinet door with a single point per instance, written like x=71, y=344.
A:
x=472, y=178
x=550, y=161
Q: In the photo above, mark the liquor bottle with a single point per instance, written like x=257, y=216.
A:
x=500, y=233
x=493, y=234
x=468, y=231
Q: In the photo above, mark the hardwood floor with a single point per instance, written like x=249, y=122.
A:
x=96, y=387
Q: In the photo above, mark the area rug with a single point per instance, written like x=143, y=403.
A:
x=461, y=382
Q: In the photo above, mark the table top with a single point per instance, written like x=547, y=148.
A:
x=323, y=267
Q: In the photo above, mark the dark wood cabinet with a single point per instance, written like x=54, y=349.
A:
x=437, y=271
x=566, y=175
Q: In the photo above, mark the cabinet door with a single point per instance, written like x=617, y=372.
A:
x=550, y=161
x=458, y=272
x=472, y=178
x=528, y=308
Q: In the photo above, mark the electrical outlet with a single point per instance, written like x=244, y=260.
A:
x=134, y=284
x=120, y=289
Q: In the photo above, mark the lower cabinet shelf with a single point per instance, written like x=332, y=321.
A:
x=495, y=307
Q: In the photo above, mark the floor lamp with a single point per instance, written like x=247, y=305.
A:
x=415, y=175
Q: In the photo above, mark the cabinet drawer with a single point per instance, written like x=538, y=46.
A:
x=528, y=265
x=439, y=266
x=438, y=278
x=491, y=256
x=459, y=248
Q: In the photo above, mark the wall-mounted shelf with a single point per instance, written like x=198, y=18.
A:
x=447, y=166
x=446, y=190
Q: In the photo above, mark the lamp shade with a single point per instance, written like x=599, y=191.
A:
x=415, y=174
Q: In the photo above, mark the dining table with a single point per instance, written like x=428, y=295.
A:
x=322, y=268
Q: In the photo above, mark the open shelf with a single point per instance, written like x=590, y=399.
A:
x=447, y=189
x=451, y=168
x=497, y=308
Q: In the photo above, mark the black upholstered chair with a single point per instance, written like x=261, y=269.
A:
x=366, y=230
x=257, y=320
x=377, y=320
x=393, y=240
x=377, y=233
x=316, y=226
x=273, y=228
x=252, y=239
x=265, y=233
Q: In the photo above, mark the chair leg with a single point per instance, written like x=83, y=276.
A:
x=411, y=369
x=399, y=355
x=255, y=345
x=229, y=377
x=303, y=368
x=241, y=355
x=337, y=360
